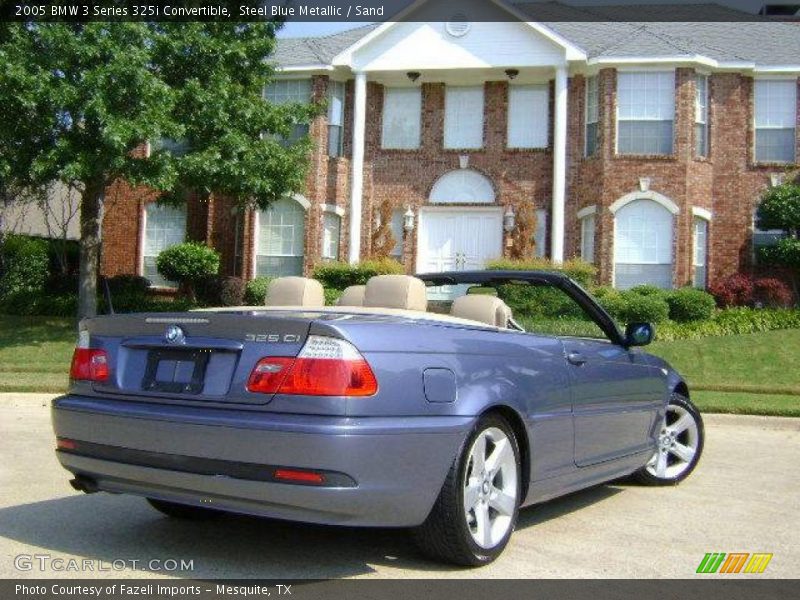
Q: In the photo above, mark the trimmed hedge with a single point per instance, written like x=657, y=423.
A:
x=689, y=304
x=582, y=272
x=23, y=265
x=629, y=306
x=731, y=321
x=220, y=290
x=255, y=291
x=339, y=275
x=187, y=263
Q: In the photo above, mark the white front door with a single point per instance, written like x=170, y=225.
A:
x=458, y=239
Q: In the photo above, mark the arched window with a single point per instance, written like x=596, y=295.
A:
x=643, y=245
x=280, y=237
x=462, y=186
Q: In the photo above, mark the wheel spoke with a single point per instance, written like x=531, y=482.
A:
x=661, y=464
x=685, y=453
x=483, y=525
x=479, y=455
x=471, y=493
x=682, y=424
x=499, y=455
x=502, y=502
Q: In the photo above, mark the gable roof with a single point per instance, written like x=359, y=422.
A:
x=760, y=42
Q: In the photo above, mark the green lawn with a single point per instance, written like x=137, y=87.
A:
x=748, y=374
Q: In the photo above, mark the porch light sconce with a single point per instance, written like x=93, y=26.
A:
x=509, y=220
x=408, y=220
x=413, y=76
x=512, y=73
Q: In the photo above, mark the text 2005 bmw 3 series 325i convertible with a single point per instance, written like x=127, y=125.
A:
x=417, y=402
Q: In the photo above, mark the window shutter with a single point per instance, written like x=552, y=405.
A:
x=528, y=116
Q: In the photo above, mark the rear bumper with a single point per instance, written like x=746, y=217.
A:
x=397, y=464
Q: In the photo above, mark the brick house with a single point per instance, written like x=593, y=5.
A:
x=642, y=148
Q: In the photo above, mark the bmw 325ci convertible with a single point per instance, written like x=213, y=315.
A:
x=418, y=402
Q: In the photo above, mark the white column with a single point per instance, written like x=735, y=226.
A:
x=559, y=166
x=357, y=174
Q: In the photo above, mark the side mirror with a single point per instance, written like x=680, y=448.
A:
x=639, y=334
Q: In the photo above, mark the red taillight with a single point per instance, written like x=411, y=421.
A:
x=324, y=367
x=299, y=476
x=89, y=364
x=65, y=444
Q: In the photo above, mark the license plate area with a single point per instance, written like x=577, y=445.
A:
x=176, y=371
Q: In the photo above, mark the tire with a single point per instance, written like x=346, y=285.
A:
x=672, y=462
x=184, y=511
x=451, y=531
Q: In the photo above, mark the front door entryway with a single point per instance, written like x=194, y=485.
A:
x=458, y=239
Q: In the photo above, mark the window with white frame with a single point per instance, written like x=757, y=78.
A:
x=397, y=234
x=700, y=253
x=765, y=237
x=402, y=118
x=540, y=234
x=331, y=232
x=645, y=112
x=528, y=116
x=775, y=120
x=463, y=117
x=165, y=226
x=592, y=115
x=587, y=238
x=701, y=115
x=335, y=118
x=280, y=238
x=643, y=233
x=287, y=91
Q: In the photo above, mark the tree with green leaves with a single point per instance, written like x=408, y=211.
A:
x=780, y=209
x=80, y=100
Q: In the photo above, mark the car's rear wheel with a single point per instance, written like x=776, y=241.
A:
x=476, y=511
x=680, y=444
x=184, y=511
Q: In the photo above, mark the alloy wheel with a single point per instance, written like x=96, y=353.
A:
x=677, y=444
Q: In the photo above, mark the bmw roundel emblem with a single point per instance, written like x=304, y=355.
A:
x=174, y=335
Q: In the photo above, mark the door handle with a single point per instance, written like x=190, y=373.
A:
x=576, y=358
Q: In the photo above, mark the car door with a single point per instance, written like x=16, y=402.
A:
x=616, y=398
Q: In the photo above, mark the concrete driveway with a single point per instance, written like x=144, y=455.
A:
x=743, y=497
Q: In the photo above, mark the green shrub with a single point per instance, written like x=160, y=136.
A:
x=339, y=275
x=731, y=321
x=629, y=306
x=332, y=296
x=187, y=263
x=603, y=291
x=582, y=272
x=538, y=301
x=220, y=290
x=23, y=264
x=646, y=289
x=128, y=284
x=255, y=292
x=35, y=303
x=689, y=304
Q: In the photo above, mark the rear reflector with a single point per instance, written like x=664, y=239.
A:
x=65, y=444
x=325, y=367
x=89, y=364
x=298, y=476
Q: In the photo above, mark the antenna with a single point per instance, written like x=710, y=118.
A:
x=107, y=295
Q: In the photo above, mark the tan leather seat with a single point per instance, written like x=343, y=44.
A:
x=295, y=291
x=396, y=291
x=483, y=308
x=352, y=296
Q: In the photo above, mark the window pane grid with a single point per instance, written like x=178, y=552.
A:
x=402, y=117
x=281, y=238
x=165, y=226
x=331, y=227
x=775, y=120
x=463, y=117
x=528, y=118
x=587, y=238
x=645, y=112
x=335, y=118
x=701, y=115
x=284, y=91
x=592, y=115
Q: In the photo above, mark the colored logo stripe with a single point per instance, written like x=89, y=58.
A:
x=735, y=561
x=758, y=562
x=711, y=562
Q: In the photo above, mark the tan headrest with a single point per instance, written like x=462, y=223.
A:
x=295, y=291
x=479, y=307
x=352, y=296
x=396, y=291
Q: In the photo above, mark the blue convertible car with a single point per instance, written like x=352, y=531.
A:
x=417, y=402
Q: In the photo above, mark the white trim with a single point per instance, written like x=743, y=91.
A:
x=141, y=235
x=559, y=167
x=301, y=200
x=332, y=208
x=702, y=213
x=357, y=165
x=304, y=68
x=648, y=195
x=586, y=211
x=254, y=238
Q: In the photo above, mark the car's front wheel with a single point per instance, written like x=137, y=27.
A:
x=680, y=444
x=476, y=511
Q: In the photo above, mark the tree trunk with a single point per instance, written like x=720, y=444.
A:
x=91, y=213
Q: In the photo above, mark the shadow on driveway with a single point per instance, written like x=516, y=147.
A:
x=106, y=527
